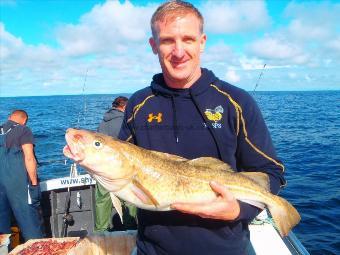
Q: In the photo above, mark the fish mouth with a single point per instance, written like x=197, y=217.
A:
x=74, y=148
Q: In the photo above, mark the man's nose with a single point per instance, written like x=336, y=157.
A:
x=178, y=50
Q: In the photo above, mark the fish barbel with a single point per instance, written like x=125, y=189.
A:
x=154, y=180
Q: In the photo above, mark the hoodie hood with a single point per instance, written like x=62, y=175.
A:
x=159, y=86
x=113, y=113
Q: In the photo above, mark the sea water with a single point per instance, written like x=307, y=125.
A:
x=305, y=129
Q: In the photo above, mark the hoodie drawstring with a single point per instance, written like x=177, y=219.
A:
x=173, y=105
x=175, y=118
x=211, y=130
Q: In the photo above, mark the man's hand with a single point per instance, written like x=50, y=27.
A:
x=224, y=207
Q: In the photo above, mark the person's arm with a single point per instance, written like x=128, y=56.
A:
x=30, y=162
x=256, y=153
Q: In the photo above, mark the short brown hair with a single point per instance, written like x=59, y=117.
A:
x=119, y=101
x=175, y=8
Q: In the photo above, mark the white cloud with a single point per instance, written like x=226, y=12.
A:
x=292, y=75
x=111, y=42
x=14, y=52
x=9, y=43
x=112, y=52
x=232, y=76
x=315, y=27
x=234, y=16
x=271, y=48
x=219, y=53
x=112, y=26
x=334, y=45
x=251, y=63
x=304, y=31
x=310, y=36
x=316, y=16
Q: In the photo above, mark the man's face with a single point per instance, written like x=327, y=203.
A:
x=179, y=44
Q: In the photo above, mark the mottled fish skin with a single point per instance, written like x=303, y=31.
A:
x=153, y=180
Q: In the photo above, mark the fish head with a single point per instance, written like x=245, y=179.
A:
x=99, y=154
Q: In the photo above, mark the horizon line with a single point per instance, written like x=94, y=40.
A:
x=126, y=93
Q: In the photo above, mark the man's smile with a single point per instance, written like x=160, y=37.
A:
x=178, y=63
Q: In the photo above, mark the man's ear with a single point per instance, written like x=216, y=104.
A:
x=153, y=45
x=22, y=121
x=203, y=40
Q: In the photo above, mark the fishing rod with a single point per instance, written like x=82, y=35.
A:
x=67, y=217
x=259, y=78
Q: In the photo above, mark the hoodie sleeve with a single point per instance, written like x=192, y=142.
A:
x=256, y=153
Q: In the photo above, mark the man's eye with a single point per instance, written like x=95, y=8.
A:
x=189, y=40
x=97, y=144
x=166, y=41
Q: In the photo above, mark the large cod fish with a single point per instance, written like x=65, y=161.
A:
x=154, y=180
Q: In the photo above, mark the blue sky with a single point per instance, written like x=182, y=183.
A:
x=47, y=47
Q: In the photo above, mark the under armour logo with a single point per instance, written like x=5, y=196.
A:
x=157, y=117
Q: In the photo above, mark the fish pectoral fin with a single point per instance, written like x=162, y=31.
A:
x=260, y=178
x=117, y=205
x=143, y=194
x=254, y=203
x=210, y=163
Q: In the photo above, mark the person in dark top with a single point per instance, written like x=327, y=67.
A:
x=19, y=187
x=110, y=125
x=189, y=112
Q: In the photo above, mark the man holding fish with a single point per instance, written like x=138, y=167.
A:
x=204, y=163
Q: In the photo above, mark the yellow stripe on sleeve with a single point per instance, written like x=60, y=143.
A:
x=129, y=138
x=138, y=106
x=239, y=113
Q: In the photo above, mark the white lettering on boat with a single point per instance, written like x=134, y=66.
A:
x=82, y=180
x=61, y=183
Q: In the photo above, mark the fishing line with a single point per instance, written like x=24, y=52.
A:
x=84, y=102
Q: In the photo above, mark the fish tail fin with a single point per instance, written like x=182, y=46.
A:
x=284, y=215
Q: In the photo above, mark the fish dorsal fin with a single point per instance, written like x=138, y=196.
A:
x=143, y=194
x=117, y=205
x=168, y=156
x=210, y=163
x=204, y=162
x=260, y=178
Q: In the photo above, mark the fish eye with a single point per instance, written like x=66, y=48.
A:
x=97, y=144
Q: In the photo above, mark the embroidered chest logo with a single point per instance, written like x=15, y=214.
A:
x=157, y=117
x=215, y=115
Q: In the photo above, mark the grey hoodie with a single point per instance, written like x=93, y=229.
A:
x=111, y=122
